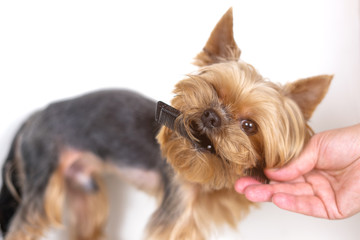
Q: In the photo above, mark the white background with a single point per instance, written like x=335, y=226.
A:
x=52, y=50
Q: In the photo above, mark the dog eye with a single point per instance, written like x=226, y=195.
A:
x=249, y=127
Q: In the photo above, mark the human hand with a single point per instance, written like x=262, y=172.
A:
x=323, y=181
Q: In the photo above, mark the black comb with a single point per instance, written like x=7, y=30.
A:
x=166, y=115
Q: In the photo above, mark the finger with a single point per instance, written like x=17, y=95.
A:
x=307, y=205
x=244, y=182
x=300, y=165
x=264, y=193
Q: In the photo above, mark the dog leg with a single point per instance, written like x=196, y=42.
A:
x=175, y=219
x=189, y=212
x=36, y=214
x=40, y=198
x=86, y=198
x=87, y=212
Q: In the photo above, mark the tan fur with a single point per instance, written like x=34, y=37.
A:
x=202, y=210
x=221, y=45
x=11, y=168
x=234, y=91
x=32, y=229
x=54, y=199
x=207, y=210
x=313, y=86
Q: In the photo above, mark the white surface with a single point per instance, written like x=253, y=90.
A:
x=52, y=50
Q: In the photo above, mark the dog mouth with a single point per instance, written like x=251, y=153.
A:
x=202, y=141
x=204, y=144
x=166, y=115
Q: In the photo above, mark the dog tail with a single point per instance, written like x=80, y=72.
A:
x=10, y=193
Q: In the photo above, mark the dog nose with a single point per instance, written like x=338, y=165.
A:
x=210, y=118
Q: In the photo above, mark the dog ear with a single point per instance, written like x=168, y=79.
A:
x=221, y=45
x=308, y=92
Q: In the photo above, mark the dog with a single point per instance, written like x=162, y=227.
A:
x=225, y=121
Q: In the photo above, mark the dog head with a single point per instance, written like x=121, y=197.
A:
x=238, y=123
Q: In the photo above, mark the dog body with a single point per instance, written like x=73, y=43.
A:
x=61, y=152
x=237, y=124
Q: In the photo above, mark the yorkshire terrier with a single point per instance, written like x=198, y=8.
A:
x=226, y=121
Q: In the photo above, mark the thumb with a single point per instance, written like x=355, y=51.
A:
x=299, y=166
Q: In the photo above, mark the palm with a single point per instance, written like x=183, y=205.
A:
x=337, y=190
x=334, y=182
x=326, y=194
